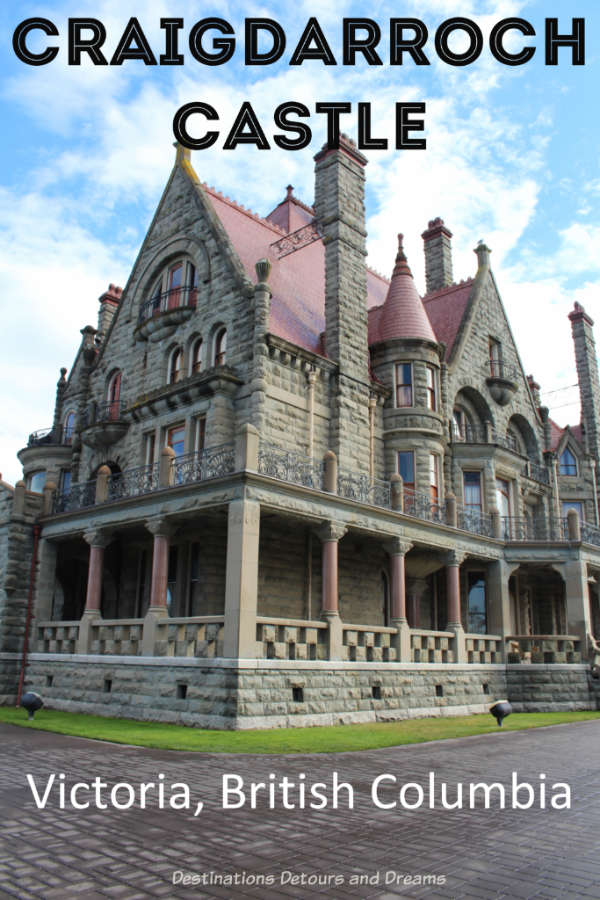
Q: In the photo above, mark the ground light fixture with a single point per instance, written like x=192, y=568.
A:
x=31, y=702
x=500, y=709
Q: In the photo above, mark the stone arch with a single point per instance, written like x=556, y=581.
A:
x=475, y=406
x=526, y=435
x=189, y=248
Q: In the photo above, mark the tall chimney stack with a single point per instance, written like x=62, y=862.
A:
x=340, y=212
x=437, y=241
x=587, y=376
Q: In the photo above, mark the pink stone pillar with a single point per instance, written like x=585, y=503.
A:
x=397, y=550
x=453, y=589
x=98, y=541
x=161, y=530
x=330, y=534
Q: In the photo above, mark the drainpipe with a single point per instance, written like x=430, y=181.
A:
x=595, y=483
x=36, y=537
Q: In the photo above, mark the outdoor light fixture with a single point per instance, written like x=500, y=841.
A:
x=31, y=702
x=500, y=709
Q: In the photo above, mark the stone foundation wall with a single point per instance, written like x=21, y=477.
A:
x=539, y=688
x=235, y=694
x=9, y=678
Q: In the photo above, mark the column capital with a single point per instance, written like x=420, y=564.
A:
x=331, y=531
x=159, y=526
x=455, y=557
x=98, y=537
x=397, y=546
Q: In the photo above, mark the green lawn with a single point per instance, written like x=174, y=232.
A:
x=323, y=739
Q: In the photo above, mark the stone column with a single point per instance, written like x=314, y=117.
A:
x=397, y=550
x=500, y=616
x=98, y=540
x=577, y=596
x=162, y=530
x=453, y=564
x=241, y=579
x=330, y=533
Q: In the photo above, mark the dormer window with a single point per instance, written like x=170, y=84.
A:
x=568, y=463
x=175, y=365
x=220, y=347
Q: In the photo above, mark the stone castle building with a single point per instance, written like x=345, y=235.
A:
x=281, y=489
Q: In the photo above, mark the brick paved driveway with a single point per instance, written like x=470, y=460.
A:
x=52, y=853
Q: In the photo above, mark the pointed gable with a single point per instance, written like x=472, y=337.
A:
x=402, y=314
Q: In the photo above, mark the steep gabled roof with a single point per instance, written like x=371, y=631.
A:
x=291, y=214
x=445, y=309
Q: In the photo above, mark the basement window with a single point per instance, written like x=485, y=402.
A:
x=298, y=695
x=376, y=692
x=182, y=691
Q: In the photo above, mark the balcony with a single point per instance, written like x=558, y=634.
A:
x=57, y=436
x=159, y=317
x=104, y=424
x=502, y=380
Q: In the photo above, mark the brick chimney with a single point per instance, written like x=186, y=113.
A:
x=587, y=376
x=437, y=241
x=109, y=302
x=340, y=212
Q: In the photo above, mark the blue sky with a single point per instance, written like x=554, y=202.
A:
x=512, y=159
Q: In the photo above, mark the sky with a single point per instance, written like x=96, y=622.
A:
x=511, y=159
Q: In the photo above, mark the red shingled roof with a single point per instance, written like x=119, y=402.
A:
x=291, y=214
x=446, y=308
x=298, y=281
x=402, y=314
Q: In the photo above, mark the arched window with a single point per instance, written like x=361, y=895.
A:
x=568, y=463
x=462, y=427
x=220, y=347
x=196, y=362
x=113, y=395
x=175, y=365
x=176, y=286
x=69, y=427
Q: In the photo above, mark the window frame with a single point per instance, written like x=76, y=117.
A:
x=568, y=465
x=431, y=389
x=404, y=385
x=220, y=346
x=175, y=372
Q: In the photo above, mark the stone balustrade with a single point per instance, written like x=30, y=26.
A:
x=57, y=637
x=368, y=643
x=483, y=648
x=543, y=648
x=198, y=636
x=431, y=646
x=116, y=637
x=290, y=638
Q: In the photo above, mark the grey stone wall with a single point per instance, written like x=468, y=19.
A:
x=223, y=694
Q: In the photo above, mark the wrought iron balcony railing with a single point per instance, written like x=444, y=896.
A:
x=100, y=413
x=536, y=472
x=497, y=368
x=57, y=435
x=176, y=298
x=78, y=496
x=474, y=520
x=590, y=534
x=132, y=482
x=286, y=465
x=214, y=462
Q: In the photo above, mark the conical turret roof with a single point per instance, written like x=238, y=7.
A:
x=403, y=314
